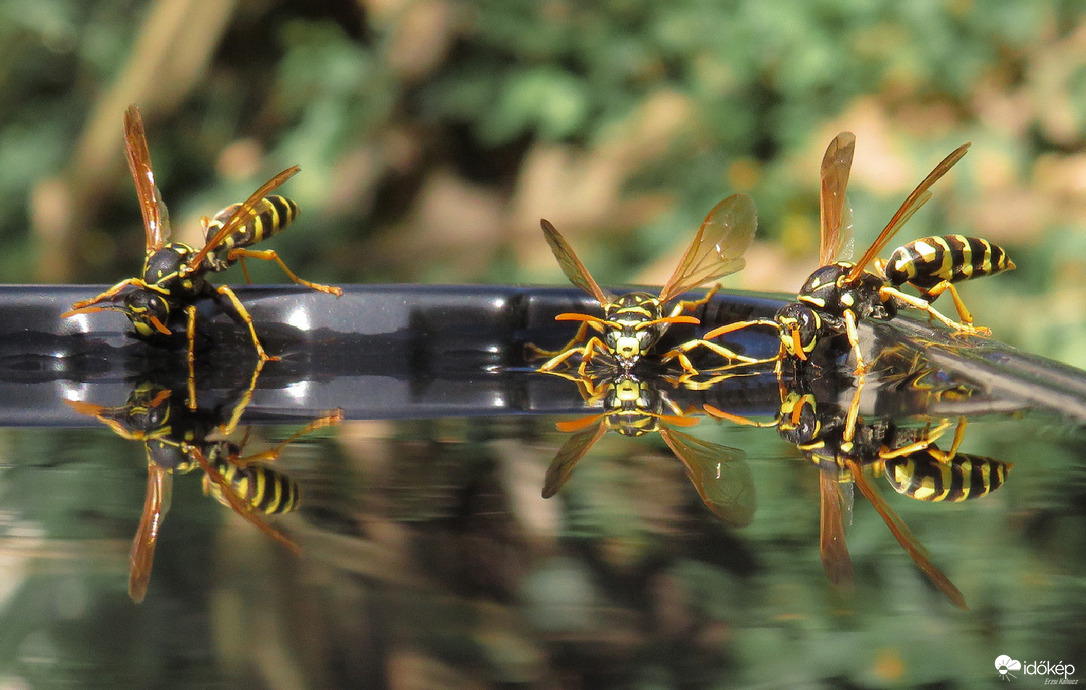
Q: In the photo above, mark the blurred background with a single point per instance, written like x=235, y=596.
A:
x=433, y=134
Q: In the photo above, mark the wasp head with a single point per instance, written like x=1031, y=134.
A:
x=148, y=311
x=799, y=328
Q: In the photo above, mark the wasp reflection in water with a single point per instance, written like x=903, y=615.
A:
x=635, y=406
x=846, y=445
x=179, y=439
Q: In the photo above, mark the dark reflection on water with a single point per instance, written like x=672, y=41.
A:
x=429, y=558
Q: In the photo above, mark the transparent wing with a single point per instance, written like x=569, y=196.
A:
x=831, y=542
x=155, y=506
x=156, y=219
x=911, y=205
x=237, y=504
x=571, y=265
x=717, y=248
x=908, y=542
x=719, y=475
x=833, y=206
x=242, y=214
x=568, y=456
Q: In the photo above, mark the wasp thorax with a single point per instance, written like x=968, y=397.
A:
x=824, y=288
x=828, y=290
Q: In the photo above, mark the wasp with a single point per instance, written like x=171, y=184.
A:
x=844, y=446
x=174, y=274
x=839, y=292
x=178, y=440
x=634, y=406
x=929, y=474
x=633, y=323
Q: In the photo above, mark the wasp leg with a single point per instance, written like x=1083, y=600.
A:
x=853, y=416
x=272, y=454
x=244, y=314
x=190, y=336
x=270, y=255
x=959, y=435
x=243, y=402
x=593, y=346
x=679, y=352
x=535, y=352
x=693, y=304
x=584, y=350
x=967, y=329
x=718, y=413
x=854, y=341
x=941, y=287
x=923, y=444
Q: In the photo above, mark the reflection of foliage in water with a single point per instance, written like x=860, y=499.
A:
x=624, y=576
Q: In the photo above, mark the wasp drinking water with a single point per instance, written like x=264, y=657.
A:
x=634, y=322
x=174, y=274
x=839, y=293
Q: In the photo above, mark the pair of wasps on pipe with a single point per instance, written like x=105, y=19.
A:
x=174, y=274
x=830, y=302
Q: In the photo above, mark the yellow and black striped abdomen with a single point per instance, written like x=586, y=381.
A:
x=263, y=489
x=923, y=477
x=953, y=258
x=270, y=215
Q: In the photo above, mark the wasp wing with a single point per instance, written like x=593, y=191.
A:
x=834, y=505
x=568, y=456
x=156, y=219
x=155, y=506
x=719, y=475
x=571, y=265
x=717, y=248
x=229, y=492
x=244, y=213
x=835, y=214
x=907, y=540
x=911, y=205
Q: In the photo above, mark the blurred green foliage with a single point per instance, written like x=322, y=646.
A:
x=433, y=134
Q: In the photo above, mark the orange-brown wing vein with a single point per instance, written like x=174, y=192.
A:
x=242, y=214
x=568, y=456
x=719, y=475
x=912, y=203
x=155, y=506
x=717, y=247
x=571, y=265
x=836, y=166
x=908, y=541
x=156, y=219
